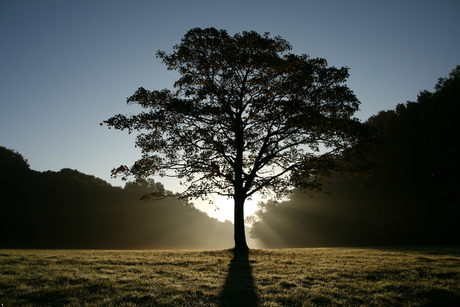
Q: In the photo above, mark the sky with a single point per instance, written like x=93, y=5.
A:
x=65, y=66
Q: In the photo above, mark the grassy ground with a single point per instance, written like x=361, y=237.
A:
x=289, y=277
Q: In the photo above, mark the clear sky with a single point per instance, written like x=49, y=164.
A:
x=65, y=66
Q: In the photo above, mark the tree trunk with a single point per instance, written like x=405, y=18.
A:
x=240, y=194
x=239, y=231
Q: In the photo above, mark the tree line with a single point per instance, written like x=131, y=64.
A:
x=69, y=209
x=412, y=198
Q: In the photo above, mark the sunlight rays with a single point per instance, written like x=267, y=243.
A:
x=222, y=208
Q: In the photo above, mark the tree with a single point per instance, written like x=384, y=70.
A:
x=246, y=117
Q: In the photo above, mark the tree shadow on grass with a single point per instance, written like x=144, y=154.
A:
x=239, y=288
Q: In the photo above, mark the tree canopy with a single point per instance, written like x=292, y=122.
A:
x=246, y=116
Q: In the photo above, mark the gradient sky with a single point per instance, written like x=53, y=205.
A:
x=68, y=65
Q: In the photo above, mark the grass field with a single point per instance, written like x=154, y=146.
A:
x=289, y=277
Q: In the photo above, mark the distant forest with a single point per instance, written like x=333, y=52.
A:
x=412, y=199
x=68, y=209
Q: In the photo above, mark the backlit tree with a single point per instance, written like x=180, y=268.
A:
x=245, y=117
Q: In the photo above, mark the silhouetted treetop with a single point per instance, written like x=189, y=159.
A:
x=12, y=162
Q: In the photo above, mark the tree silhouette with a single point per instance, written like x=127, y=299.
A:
x=246, y=117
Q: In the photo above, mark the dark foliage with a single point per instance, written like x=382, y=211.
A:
x=412, y=199
x=68, y=209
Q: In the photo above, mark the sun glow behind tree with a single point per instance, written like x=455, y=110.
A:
x=223, y=207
